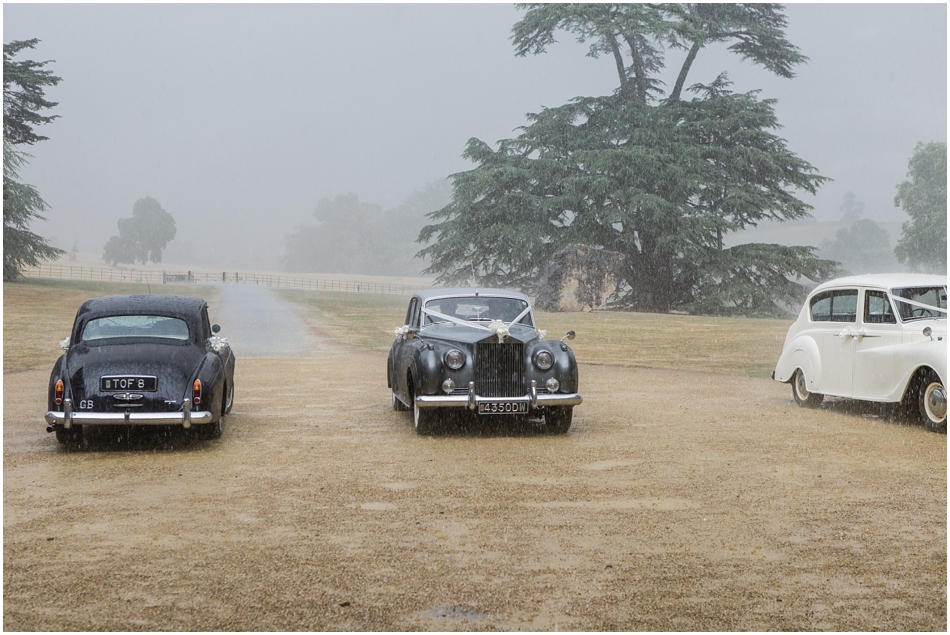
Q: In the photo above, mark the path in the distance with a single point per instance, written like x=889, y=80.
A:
x=257, y=323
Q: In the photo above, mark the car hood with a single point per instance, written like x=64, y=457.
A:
x=172, y=364
x=471, y=335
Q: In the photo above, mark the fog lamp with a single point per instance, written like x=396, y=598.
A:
x=448, y=386
x=552, y=384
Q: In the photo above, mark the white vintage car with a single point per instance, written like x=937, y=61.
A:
x=873, y=337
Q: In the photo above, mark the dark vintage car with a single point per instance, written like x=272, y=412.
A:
x=141, y=360
x=480, y=350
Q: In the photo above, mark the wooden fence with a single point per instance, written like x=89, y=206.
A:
x=308, y=283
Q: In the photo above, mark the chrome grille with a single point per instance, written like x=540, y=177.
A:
x=499, y=369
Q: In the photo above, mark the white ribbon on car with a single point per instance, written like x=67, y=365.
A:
x=217, y=343
x=497, y=327
x=402, y=330
x=921, y=305
x=64, y=344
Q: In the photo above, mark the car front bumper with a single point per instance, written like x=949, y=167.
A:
x=470, y=400
x=67, y=418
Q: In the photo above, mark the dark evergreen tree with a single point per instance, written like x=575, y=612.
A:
x=658, y=180
x=24, y=100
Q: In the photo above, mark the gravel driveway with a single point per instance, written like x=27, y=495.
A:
x=678, y=501
x=257, y=323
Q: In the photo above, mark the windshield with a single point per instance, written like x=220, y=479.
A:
x=909, y=301
x=477, y=309
x=135, y=326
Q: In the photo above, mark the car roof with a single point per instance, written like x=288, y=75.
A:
x=430, y=294
x=169, y=305
x=885, y=281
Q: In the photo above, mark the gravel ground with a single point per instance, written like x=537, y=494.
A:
x=678, y=501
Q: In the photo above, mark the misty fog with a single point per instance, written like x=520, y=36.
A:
x=241, y=119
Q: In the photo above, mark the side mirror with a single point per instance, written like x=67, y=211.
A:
x=928, y=332
x=569, y=335
x=215, y=328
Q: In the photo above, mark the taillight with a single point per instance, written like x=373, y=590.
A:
x=59, y=392
x=196, y=392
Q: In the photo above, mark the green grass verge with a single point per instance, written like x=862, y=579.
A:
x=39, y=312
x=743, y=346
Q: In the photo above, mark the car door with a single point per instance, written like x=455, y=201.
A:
x=878, y=334
x=838, y=317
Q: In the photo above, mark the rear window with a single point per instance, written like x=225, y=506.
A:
x=135, y=326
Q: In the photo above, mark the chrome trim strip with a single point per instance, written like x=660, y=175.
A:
x=463, y=401
x=126, y=418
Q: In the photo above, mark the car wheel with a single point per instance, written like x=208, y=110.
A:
x=558, y=420
x=932, y=402
x=398, y=405
x=228, y=400
x=73, y=436
x=800, y=392
x=209, y=430
x=423, y=419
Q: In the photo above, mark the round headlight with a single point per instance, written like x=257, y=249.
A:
x=544, y=360
x=455, y=359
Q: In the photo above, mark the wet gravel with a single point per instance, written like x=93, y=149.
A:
x=678, y=501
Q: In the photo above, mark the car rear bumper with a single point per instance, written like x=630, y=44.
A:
x=67, y=418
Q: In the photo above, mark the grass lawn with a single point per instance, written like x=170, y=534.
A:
x=38, y=313
x=741, y=346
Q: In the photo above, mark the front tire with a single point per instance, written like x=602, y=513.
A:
x=423, y=419
x=557, y=420
x=800, y=392
x=932, y=402
x=228, y=400
x=398, y=405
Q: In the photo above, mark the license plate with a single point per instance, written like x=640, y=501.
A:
x=502, y=407
x=118, y=383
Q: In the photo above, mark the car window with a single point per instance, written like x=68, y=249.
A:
x=931, y=296
x=479, y=309
x=835, y=306
x=412, y=315
x=135, y=326
x=877, y=308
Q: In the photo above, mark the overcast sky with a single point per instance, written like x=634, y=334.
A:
x=239, y=119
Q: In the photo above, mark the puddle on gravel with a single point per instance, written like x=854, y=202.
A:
x=455, y=612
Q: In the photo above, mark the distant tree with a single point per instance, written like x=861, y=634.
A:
x=864, y=247
x=359, y=237
x=23, y=101
x=143, y=236
x=923, y=241
x=657, y=180
x=851, y=207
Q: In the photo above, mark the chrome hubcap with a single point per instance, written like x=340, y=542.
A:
x=936, y=401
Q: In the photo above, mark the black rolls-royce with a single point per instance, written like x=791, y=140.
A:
x=479, y=349
x=141, y=360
